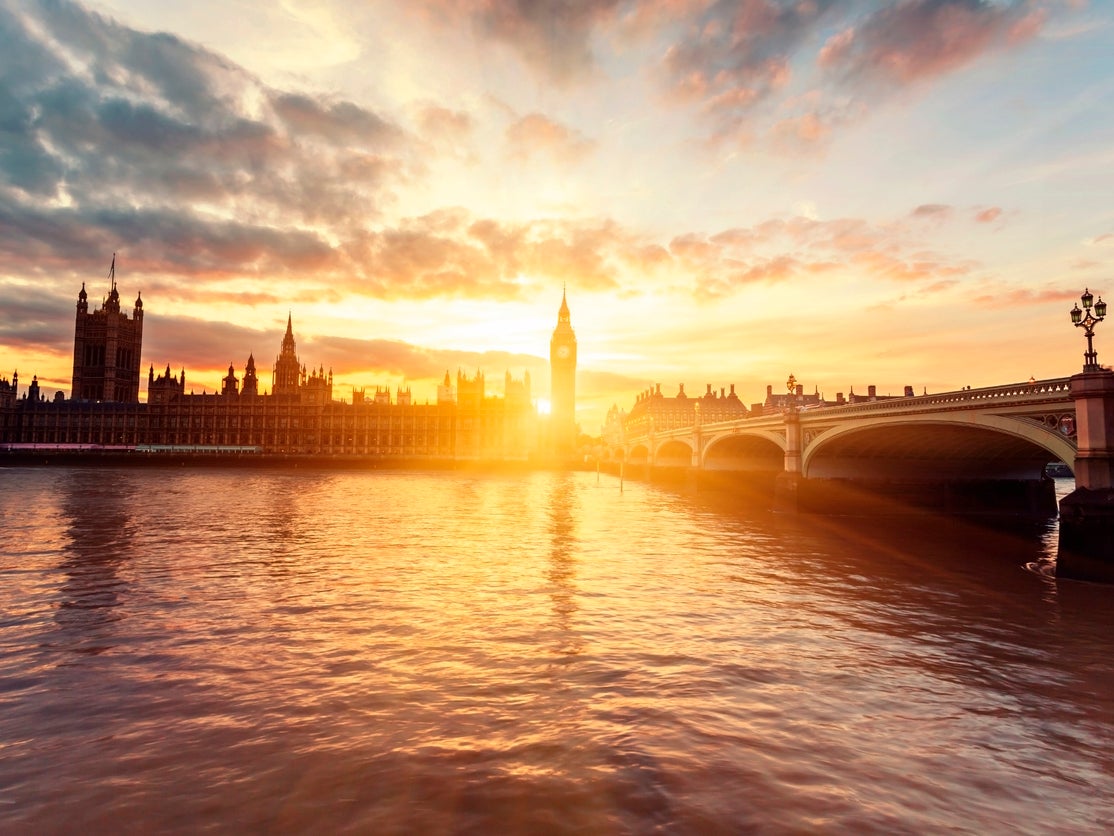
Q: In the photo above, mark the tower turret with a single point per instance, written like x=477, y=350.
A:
x=251, y=382
x=107, y=348
x=288, y=372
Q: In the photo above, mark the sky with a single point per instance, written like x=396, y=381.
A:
x=904, y=193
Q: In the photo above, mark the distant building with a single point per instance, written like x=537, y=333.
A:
x=654, y=411
x=8, y=391
x=299, y=416
x=781, y=402
x=106, y=348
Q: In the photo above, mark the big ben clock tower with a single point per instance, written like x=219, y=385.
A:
x=562, y=376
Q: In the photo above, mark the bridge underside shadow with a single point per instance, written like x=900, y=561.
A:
x=744, y=464
x=959, y=469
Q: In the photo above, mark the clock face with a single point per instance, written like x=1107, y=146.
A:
x=563, y=352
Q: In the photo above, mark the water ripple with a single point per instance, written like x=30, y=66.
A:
x=445, y=653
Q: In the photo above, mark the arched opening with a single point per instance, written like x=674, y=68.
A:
x=744, y=453
x=926, y=452
x=744, y=465
x=947, y=464
x=673, y=453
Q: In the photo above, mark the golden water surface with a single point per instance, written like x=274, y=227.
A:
x=223, y=650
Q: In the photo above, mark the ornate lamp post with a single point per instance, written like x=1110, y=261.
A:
x=1087, y=320
x=791, y=385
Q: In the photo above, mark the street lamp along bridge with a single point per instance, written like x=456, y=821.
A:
x=1087, y=320
x=1087, y=513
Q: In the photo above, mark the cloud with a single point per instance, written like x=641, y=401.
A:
x=735, y=55
x=447, y=131
x=791, y=73
x=33, y=320
x=553, y=37
x=1005, y=297
x=190, y=343
x=111, y=134
x=988, y=215
x=448, y=253
x=116, y=140
x=912, y=40
x=932, y=210
x=536, y=134
x=781, y=250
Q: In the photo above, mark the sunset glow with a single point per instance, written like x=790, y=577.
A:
x=911, y=193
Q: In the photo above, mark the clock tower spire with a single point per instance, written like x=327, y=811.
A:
x=562, y=376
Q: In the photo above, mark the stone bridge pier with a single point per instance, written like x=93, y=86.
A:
x=1086, y=549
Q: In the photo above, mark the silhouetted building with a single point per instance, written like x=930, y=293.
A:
x=9, y=391
x=164, y=388
x=562, y=391
x=299, y=416
x=106, y=348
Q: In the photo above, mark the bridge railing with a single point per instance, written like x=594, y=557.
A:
x=1056, y=390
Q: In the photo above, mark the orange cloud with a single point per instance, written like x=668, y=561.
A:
x=447, y=131
x=536, y=134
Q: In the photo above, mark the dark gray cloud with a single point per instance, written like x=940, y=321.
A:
x=31, y=319
x=189, y=343
x=108, y=134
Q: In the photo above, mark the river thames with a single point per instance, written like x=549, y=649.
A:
x=401, y=652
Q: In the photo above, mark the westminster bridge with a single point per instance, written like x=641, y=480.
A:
x=1005, y=431
x=969, y=450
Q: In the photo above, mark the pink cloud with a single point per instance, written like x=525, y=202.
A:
x=933, y=211
x=805, y=130
x=912, y=40
x=783, y=249
x=989, y=215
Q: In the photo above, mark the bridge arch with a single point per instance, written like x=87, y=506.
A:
x=673, y=453
x=756, y=450
x=955, y=447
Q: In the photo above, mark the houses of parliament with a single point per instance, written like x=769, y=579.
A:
x=299, y=416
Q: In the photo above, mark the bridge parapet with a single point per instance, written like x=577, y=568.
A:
x=1040, y=391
